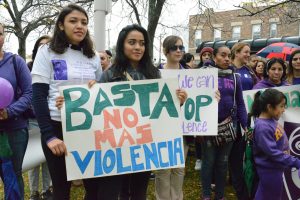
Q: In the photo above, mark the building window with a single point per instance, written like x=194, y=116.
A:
x=198, y=37
x=256, y=31
x=236, y=32
x=217, y=34
x=273, y=30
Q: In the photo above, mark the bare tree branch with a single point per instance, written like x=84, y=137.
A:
x=133, y=4
x=32, y=15
x=260, y=10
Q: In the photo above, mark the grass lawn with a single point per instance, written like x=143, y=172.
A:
x=192, y=186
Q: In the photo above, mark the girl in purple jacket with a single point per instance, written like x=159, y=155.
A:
x=270, y=144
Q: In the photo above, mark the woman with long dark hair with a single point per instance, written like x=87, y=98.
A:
x=132, y=58
x=215, y=156
x=69, y=55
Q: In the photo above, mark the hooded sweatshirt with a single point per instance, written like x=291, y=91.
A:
x=22, y=99
x=271, y=146
x=268, y=84
x=248, y=78
x=226, y=87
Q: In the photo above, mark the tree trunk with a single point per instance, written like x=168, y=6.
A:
x=155, y=8
x=22, y=47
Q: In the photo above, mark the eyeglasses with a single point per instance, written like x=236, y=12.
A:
x=295, y=59
x=175, y=47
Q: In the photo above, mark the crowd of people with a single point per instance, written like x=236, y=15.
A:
x=68, y=57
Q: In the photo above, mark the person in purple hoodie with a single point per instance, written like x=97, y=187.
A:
x=13, y=123
x=274, y=74
x=270, y=144
x=215, y=158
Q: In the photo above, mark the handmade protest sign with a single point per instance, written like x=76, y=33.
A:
x=122, y=127
x=200, y=111
x=291, y=123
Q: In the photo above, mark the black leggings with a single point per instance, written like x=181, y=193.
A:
x=57, y=169
x=134, y=186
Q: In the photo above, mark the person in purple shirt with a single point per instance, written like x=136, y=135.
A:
x=240, y=54
x=215, y=158
x=274, y=74
x=13, y=123
x=270, y=144
x=293, y=75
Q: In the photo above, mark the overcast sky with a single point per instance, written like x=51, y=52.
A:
x=176, y=13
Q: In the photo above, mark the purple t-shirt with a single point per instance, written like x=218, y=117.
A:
x=246, y=78
x=271, y=146
x=296, y=81
x=226, y=87
x=267, y=84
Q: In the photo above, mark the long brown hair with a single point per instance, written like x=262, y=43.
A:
x=59, y=42
x=290, y=69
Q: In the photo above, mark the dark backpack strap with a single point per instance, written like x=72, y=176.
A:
x=234, y=94
x=234, y=108
x=15, y=67
x=29, y=113
x=18, y=93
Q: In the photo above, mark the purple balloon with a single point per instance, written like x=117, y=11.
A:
x=6, y=93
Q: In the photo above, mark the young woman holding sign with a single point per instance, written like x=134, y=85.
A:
x=132, y=57
x=169, y=182
x=68, y=59
x=132, y=62
x=215, y=154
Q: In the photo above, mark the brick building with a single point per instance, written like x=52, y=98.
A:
x=227, y=25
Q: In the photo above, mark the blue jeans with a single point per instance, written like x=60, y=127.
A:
x=214, y=161
x=18, y=140
x=33, y=177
